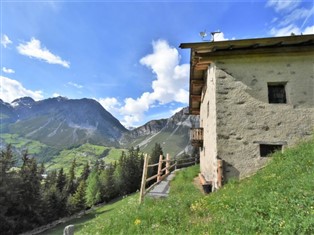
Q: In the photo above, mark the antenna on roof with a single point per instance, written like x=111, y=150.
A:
x=203, y=34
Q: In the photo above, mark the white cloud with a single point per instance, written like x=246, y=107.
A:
x=112, y=105
x=56, y=95
x=75, y=85
x=6, y=70
x=12, y=89
x=309, y=30
x=283, y=5
x=295, y=15
x=5, y=41
x=170, y=84
x=174, y=111
x=34, y=49
x=285, y=31
x=291, y=18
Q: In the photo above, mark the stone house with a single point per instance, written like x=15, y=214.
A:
x=253, y=96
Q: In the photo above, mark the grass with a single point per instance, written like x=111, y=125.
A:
x=55, y=159
x=83, y=154
x=277, y=200
x=32, y=146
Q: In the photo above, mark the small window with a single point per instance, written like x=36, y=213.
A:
x=277, y=93
x=266, y=149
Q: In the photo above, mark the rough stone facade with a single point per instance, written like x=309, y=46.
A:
x=236, y=115
x=233, y=100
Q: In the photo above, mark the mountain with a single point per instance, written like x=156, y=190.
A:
x=7, y=114
x=172, y=134
x=61, y=122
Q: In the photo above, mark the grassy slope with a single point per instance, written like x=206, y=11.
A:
x=32, y=146
x=83, y=154
x=277, y=200
x=171, y=143
x=56, y=160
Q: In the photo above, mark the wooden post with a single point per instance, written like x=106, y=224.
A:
x=159, y=168
x=219, y=172
x=144, y=176
x=167, y=164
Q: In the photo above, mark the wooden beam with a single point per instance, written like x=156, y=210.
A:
x=199, y=82
x=196, y=97
x=195, y=111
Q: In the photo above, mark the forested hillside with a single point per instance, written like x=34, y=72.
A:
x=30, y=199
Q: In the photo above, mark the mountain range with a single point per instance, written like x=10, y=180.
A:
x=63, y=123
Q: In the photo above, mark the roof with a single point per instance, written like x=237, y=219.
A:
x=204, y=53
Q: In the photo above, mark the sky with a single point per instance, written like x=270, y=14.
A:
x=125, y=54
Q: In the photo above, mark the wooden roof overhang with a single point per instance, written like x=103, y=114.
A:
x=205, y=53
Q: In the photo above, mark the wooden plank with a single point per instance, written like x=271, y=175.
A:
x=152, y=165
x=152, y=177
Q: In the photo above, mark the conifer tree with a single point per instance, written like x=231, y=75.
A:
x=85, y=172
x=61, y=180
x=154, y=158
x=51, y=179
x=71, y=184
x=108, y=183
x=77, y=201
x=93, y=188
x=9, y=185
x=29, y=194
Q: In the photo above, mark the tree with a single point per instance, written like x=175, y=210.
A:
x=93, y=195
x=77, y=201
x=154, y=158
x=108, y=189
x=130, y=174
x=29, y=193
x=71, y=184
x=54, y=204
x=51, y=179
x=61, y=180
x=85, y=172
x=9, y=185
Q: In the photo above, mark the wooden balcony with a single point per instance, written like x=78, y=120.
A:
x=196, y=137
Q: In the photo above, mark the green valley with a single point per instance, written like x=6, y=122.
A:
x=83, y=154
x=54, y=158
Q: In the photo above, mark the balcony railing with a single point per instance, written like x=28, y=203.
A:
x=196, y=136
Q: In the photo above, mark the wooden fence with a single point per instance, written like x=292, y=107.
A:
x=162, y=173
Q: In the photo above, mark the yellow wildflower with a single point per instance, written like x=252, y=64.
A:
x=137, y=222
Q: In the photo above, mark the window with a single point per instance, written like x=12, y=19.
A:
x=277, y=93
x=266, y=149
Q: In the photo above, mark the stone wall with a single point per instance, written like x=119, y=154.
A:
x=244, y=116
x=208, y=153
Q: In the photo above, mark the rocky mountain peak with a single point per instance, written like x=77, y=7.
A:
x=24, y=101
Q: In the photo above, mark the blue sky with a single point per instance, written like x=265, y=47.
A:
x=125, y=54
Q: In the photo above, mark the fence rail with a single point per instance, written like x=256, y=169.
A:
x=162, y=173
